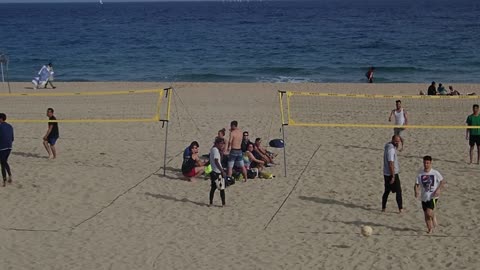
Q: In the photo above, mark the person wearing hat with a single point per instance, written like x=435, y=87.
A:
x=432, y=90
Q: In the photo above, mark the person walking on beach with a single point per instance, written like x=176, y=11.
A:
x=432, y=90
x=391, y=169
x=473, y=135
x=401, y=119
x=235, y=157
x=6, y=142
x=217, y=176
x=430, y=182
x=50, y=77
x=51, y=136
x=369, y=74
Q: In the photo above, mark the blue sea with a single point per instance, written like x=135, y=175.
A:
x=245, y=41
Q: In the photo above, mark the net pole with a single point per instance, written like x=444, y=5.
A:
x=165, y=152
x=169, y=100
x=280, y=96
x=284, y=150
x=8, y=80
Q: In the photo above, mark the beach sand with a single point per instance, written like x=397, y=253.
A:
x=105, y=204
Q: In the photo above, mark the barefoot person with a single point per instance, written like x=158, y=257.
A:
x=401, y=119
x=217, y=176
x=390, y=173
x=51, y=136
x=430, y=182
x=473, y=135
x=234, y=148
x=6, y=142
x=192, y=166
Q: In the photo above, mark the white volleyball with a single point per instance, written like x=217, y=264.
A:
x=367, y=231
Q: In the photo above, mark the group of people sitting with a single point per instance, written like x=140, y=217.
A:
x=440, y=90
x=248, y=160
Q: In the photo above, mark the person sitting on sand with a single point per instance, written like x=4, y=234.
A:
x=441, y=90
x=453, y=92
x=245, y=141
x=250, y=160
x=192, y=166
x=457, y=93
x=261, y=153
x=221, y=133
x=432, y=91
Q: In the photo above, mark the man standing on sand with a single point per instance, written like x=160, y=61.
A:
x=431, y=183
x=217, y=176
x=391, y=169
x=234, y=148
x=401, y=119
x=51, y=136
x=473, y=135
x=6, y=141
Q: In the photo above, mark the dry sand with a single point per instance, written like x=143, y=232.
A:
x=105, y=204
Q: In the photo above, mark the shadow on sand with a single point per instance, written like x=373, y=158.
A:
x=170, y=198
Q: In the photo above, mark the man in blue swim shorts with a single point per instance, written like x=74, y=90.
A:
x=235, y=157
x=51, y=136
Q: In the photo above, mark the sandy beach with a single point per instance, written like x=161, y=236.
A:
x=104, y=203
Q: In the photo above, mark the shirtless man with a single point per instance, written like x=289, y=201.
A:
x=234, y=148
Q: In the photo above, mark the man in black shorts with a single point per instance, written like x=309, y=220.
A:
x=391, y=169
x=473, y=135
x=431, y=182
x=51, y=137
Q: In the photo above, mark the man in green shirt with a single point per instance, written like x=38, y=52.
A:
x=473, y=134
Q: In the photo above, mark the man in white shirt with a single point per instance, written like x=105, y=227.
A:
x=400, y=116
x=391, y=169
x=217, y=176
x=430, y=182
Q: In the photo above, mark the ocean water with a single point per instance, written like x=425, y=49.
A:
x=245, y=41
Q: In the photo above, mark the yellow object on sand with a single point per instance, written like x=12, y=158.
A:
x=208, y=169
x=266, y=175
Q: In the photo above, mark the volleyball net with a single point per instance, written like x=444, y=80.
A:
x=91, y=107
x=331, y=110
x=371, y=111
x=78, y=107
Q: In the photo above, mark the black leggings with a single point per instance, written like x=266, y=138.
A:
x=214, y=176
x=395, y=188
x=4, y=163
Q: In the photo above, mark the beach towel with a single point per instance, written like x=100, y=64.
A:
x=42, y=78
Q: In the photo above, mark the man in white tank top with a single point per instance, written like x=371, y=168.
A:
x=401, y=119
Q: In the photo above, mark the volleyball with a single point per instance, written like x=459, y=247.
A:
x=367, y=231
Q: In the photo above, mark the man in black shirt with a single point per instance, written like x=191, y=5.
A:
x=51, y=136
x=432, y=91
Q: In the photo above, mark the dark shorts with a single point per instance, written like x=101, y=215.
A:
x=398, y=131
x=395, y=187
x=474, y=139
x=52, y=141
x=429, y=204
